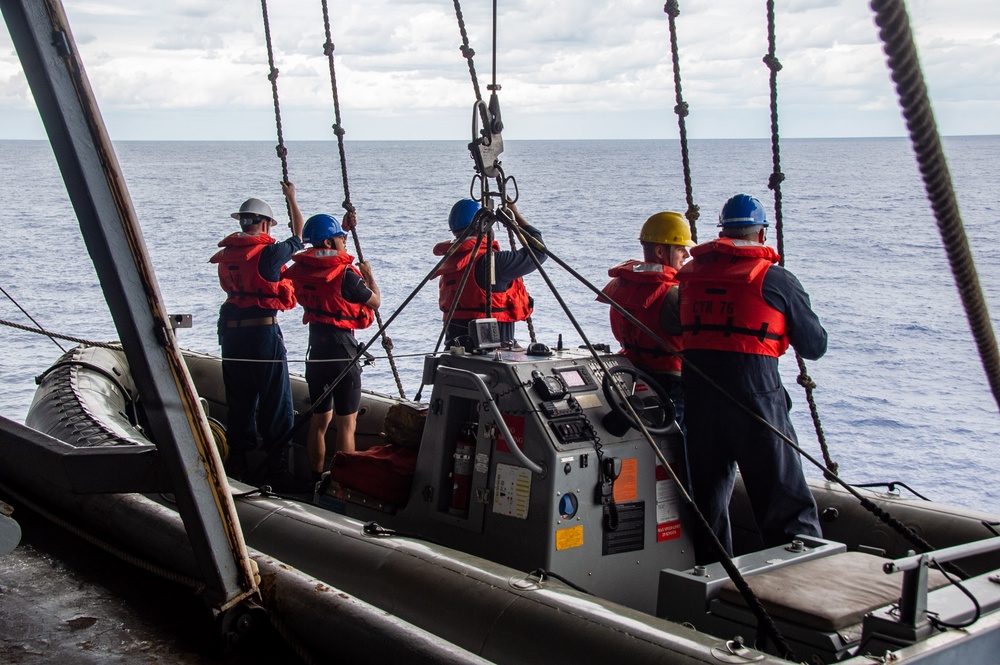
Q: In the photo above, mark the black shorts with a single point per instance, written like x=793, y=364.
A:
x=328, y=354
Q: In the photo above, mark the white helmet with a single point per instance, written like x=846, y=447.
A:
x=254, y=207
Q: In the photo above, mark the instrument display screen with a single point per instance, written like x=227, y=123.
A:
x=575, y=378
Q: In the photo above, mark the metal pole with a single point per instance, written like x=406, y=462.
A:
x=54, y=70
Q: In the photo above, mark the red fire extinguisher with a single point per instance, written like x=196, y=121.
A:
x=461, y=473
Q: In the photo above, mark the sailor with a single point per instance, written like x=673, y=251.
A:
x=510, y=300
x=739, y=312
x=337, y=298
x=648, y=290
x=254, y=364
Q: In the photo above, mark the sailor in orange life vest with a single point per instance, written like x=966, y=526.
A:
x=258, y=394
x=739, y=312
x=647, y=289
x=338, y=298
x=510, y=300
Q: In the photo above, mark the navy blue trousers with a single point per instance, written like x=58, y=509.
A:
x=722, y=437
x=258, y=394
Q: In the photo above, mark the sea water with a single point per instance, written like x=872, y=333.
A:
x=901, y=393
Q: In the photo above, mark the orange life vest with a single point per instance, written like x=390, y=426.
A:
x=722, y=304
x=508, y=306
x=239, y=276
x=318, y=275
x=641, y=288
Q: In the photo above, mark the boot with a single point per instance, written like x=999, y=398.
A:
x=277, y=475
x=236, y=465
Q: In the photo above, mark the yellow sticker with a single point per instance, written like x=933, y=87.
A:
x=568, y=538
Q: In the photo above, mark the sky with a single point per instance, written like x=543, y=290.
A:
x=568, y=69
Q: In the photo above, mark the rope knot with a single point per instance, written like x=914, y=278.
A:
x=775, y=179
x=281, y=150
x=348, y=206
x=682, y=109
x=467, y=52
x=831, y=473
x=672, y=9
x=273, y=75
x=386, y=342
x=693, y=213
x=806, y=382
x=338, y=130
x=328, y=49
x=772, y=63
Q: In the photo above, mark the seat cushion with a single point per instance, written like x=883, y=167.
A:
x=829, y=593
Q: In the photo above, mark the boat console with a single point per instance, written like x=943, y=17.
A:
x=528, y=459
x=525, y=461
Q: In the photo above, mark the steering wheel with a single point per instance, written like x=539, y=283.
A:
x=655, y=408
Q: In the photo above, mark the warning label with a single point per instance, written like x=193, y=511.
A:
x=668, y=516
x=569, y=538
x=630, y=535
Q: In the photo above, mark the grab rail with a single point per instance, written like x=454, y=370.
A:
x=491, y=404
x=913, y=596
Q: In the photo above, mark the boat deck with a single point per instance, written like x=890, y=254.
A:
x=62, y=600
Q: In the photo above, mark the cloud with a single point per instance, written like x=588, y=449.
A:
x=558, y=56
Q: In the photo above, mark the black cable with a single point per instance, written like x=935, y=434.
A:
x=25, y=312
x=891, y=486
x=940, y=623
x=541, y=574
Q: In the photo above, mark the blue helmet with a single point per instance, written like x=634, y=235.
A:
x=462, y=214
x=320, y=227
x=742, y=210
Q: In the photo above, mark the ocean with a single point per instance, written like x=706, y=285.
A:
x=901, y=392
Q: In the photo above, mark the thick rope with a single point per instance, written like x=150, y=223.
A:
x=468, y=54
x=37, y=324
x=673, y=10
x=272, y=76
x=767, y=627
x=774, y=183
x=901, y=52
x=78, y=340
x=338, y=129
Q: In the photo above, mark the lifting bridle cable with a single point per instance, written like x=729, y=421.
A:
x=904, y=65
x=25, y=312
x=766, y=625
x=489, y=144
x=673, y=10
x=774, y=184
x=480, y=230
x=338, y=129
x=304, y=417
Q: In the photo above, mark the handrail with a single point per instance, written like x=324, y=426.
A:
x=491, y=404
x=942, y=555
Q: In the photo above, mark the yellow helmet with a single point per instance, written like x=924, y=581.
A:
x=667, y=228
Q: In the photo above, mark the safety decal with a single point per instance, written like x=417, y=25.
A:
x=668, y=507
x=626, y=486
x=513, y=491
x=569, y=538
x=630, y=534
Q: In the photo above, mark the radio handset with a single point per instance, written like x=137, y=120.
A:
x=548, y=387
x=610, y=469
